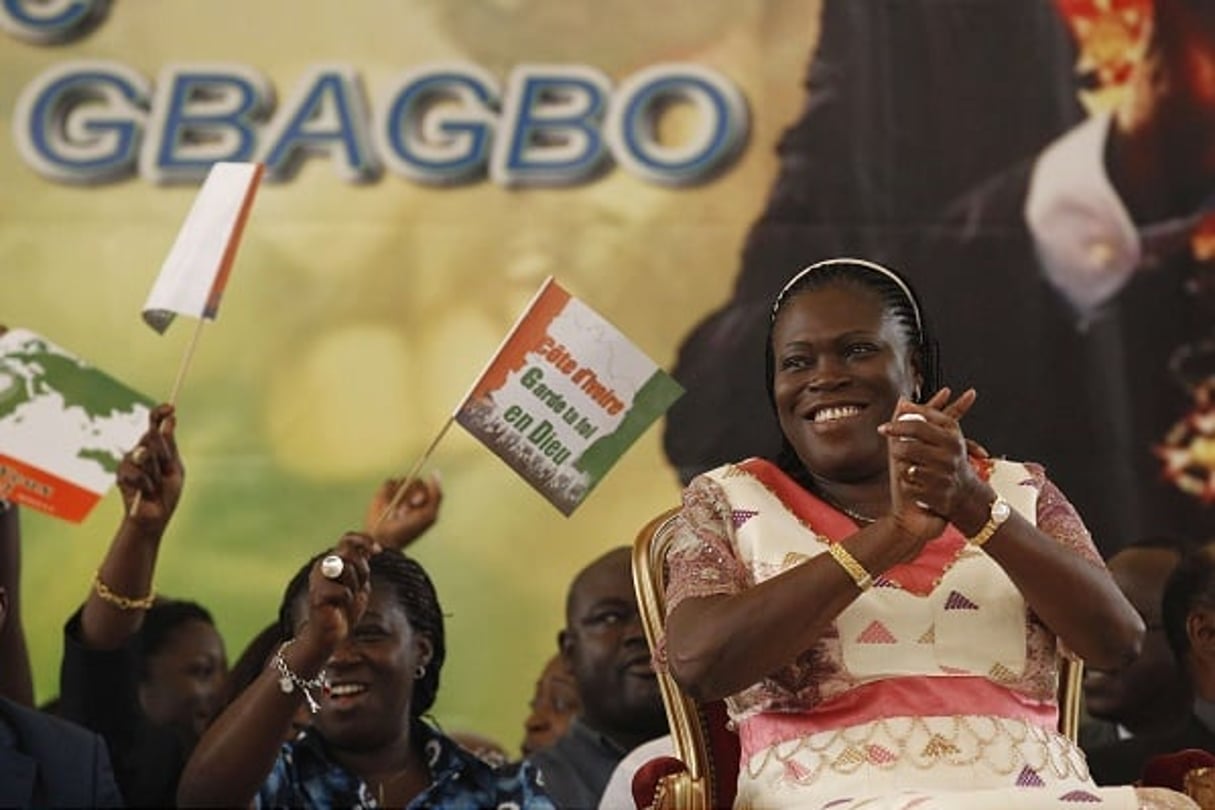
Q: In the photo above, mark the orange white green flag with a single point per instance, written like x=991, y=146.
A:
x=565, y=396
x=194, y=274
x=64, y=426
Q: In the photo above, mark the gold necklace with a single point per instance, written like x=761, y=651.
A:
x=857, y=516
x=391, y=780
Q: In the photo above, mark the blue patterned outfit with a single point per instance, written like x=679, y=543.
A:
x=304, y=775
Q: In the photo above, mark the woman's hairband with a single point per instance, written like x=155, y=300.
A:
x=868, y=265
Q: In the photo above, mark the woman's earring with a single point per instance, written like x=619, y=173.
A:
x=420, y=672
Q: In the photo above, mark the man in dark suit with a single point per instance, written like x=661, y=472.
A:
x=49, y=762
x=1189, y=623
x=604, y=645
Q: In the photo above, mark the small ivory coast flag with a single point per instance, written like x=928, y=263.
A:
x=193, y=277
x=564, y=397
x=64, y=426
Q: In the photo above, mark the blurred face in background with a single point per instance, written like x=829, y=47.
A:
x=184, y=678
x=554, y=705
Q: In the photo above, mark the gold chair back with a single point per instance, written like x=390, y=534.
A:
x=691, y=789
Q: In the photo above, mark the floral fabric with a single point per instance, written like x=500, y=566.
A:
x=304, y=775
x=712, y=554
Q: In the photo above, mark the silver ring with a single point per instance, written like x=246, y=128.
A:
x=911, y=471
x=332, y=566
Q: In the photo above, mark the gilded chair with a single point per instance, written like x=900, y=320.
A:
x=703, y=774
x=704, y=771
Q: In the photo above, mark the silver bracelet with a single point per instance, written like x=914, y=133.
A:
x=288, y=680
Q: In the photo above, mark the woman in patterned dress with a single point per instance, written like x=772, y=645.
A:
x=883, y=610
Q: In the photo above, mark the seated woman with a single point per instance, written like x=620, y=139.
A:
x=365, y=650
x=880, y=609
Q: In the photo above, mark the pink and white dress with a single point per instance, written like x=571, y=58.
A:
x=934, y=690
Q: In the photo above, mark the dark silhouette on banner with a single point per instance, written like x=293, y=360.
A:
x=1062, y=250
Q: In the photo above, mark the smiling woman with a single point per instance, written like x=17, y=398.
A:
x=365, y=651
x=879, y=607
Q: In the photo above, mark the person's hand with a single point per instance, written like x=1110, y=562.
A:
x=416, y=511
x=931, y=479
x=153, y=471
x=336, y=605
x=1161, y=153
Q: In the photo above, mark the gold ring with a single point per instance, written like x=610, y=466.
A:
x=911, y=471
x=139, y=454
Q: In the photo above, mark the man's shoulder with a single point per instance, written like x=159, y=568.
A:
x=1122, y=762
x=575, y=769
x=73, y=765
x=566, y=749
x=36, y=729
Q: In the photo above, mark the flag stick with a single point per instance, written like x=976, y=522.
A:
x=185, y=361
x=417, y=467
x=187, y=356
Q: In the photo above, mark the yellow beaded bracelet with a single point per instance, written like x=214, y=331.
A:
x=849, y=563
x=118, y=600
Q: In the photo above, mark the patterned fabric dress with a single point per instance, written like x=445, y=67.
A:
x=935, y=689
x=305, y=775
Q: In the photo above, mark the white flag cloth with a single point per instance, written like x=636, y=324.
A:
x=193, y=276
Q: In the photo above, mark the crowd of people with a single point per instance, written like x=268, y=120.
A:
x=327, y=705
x=881, y=606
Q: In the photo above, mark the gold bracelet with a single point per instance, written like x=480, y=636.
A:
x=118, y=600
x=855, y=570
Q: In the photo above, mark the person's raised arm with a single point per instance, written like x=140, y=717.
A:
x=719, y=645
x=16, y=679
x=1075, y=597
x=415, y=512
x=238, y=750
x=150, y=478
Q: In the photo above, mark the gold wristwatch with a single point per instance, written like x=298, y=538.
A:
x=1000, y=512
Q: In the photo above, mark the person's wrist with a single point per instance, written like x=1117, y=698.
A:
x=309, y=651
x=298, y=674
x=304, y=659
x=145, y=531
x=974, y=509
x=906, y=543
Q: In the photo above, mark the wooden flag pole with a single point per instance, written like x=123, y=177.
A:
x=413, y=473
x=187, y=356
x=417, y=466
x=185, y=361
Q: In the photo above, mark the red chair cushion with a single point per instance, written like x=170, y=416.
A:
x=1169, y=770
x=726, y=752
x=645, y=781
